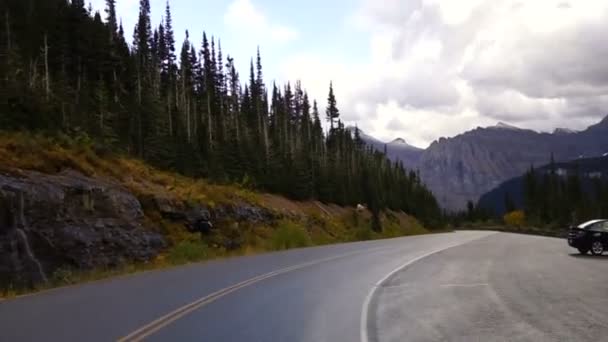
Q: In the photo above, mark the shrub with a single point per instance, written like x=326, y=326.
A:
x=187, y=251
x=63, y=276
x=289, y=235
x=515, y=218
x=363, y=234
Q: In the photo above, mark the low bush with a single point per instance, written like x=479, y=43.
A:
x=187, y=251
x=63, y=276
x=515, y=219
x=289, y=235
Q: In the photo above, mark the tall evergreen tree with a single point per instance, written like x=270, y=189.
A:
x=332, y=112
x=111, y=18
x=65, y=70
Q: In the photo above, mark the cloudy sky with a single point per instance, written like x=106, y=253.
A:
x=420, y=69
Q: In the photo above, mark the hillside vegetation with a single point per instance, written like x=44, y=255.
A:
x=66, y=70
x=137, y=143
x=292, y=224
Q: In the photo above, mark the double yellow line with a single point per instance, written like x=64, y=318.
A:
x=159, y=323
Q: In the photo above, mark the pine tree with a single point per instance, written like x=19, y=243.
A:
x=332, y=112
x=169, y=63
x=111, y=18
x=142, y=37
x=64, y=70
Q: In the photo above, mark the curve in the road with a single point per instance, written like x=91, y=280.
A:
x=312, y=294
x=366, y=304
x=156, y=325
x=506, y=287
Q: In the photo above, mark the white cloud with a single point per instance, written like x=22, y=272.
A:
x=127, y=11
x=440, y=67
x=243, y=16
x=123, y=7
x=281, y=33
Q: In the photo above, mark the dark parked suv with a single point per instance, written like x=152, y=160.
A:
x=590, y=236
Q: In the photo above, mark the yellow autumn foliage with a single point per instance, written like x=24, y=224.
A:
x=515, y=218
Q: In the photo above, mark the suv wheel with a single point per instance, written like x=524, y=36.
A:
x=597, y=248
x=583, y=251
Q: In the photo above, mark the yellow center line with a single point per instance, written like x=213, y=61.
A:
x=161, y=322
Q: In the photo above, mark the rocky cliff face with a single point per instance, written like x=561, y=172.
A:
x=463, y=168
x=68, y=220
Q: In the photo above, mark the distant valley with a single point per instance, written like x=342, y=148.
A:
x=464, y=167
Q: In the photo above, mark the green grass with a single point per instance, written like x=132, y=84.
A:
x=187, y=252
x=289, y=235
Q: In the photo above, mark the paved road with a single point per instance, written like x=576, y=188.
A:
x=502, y=288
x=464, y=286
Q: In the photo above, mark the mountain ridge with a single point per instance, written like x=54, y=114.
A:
x=397, y=149
x=461, y=168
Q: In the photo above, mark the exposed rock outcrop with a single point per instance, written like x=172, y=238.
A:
x=221, y=224
x=175, y=209
x=48, y=222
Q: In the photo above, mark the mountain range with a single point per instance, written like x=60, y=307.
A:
x=464, y=167
x=397, y=149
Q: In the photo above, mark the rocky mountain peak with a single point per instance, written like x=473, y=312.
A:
x=564, y=131
x=399, y=141
x=502, y=125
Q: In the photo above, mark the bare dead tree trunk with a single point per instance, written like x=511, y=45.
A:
x=185, y=103
x=139, y=100
x=78, y=81
x=101, y=109
x=47, y=79
x=8, y=46
x=63, y=116
x=101, y=119
x=209, y=123
x=176, y=95
x=169, y=113
x=224, y=121
x=196, y=119
x=8, y=32
x=265, y=132
x=33, y=73
x=140, y=144
x=115, y=77
x=236, y=123
x=260, y=126
x=189, y=121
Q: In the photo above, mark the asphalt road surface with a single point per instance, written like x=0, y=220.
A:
x=463, y=286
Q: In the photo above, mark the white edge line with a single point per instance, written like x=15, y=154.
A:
x=370, y=295
x=465, y=285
